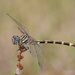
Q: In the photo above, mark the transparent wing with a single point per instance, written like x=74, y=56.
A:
x=36, y=51
x=21, y=27
x=21, y=30
x=32, y=51
x=39, y=54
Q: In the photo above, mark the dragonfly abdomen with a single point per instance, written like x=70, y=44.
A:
x=56, y=42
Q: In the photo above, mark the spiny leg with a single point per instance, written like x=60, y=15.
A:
x=23, y=48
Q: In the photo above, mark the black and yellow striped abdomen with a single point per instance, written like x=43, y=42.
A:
x=56, y=42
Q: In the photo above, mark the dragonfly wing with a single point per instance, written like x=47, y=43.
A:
x=21, y=30
x=21, y=27
x=39, y=54
x=32, y=51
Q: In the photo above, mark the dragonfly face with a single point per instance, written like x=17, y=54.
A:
x=15, y=39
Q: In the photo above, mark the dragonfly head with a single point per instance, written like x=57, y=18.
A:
x=15, y=39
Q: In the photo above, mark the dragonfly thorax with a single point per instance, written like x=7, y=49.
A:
x=23, y=39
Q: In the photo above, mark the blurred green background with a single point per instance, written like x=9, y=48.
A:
x=45, y=20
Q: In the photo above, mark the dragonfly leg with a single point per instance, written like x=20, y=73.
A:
x=23, y=48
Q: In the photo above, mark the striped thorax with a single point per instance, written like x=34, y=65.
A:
x=25, y=39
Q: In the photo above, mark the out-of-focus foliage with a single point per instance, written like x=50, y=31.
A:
x=45, y=20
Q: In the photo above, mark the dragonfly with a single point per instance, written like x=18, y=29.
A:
x=29, y=43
